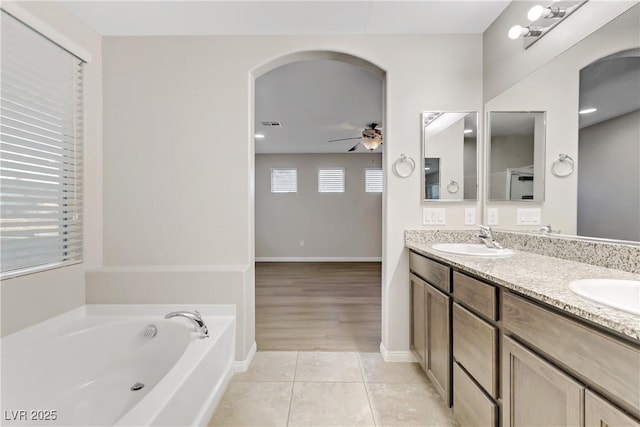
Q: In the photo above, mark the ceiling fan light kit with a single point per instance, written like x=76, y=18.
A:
x=371, y=138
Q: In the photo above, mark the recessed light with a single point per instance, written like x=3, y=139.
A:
x=468, y=130
x=259, y=135
x=588, y=110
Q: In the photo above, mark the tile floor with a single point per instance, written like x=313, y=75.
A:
x=291, y=388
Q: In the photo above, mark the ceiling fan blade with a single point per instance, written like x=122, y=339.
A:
x=343, y=139
x=353, y=148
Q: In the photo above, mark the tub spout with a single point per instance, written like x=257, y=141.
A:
x=195, y=318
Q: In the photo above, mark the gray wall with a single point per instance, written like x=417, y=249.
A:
x=332, y=225
x=609, y=179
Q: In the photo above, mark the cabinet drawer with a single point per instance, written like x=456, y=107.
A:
x=471, y=406
x=600, y=413
x=477, y=295
x=431, y=271
x=475, y=346
x=607, y=363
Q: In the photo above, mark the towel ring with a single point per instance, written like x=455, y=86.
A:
x=563, y=165
x=453, y=187
x=404, y=166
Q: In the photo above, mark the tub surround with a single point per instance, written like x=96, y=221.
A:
x=542, y=277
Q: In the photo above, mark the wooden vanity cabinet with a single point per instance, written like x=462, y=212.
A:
x=535, y=392
x=431, y=321
x=503, y=359
x=475, y=351
x=600, y=413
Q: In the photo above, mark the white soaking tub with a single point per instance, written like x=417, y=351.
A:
x=78, y=369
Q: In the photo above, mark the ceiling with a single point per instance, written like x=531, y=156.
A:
x=316, y=101
x=211, y=17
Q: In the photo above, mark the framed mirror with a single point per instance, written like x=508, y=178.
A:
x=450, y=156
x=515, y=147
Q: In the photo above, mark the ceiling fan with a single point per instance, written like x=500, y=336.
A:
x=370, y=138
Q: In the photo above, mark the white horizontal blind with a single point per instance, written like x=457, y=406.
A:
x=373, y=180
x=41, y=113
x=284, y=180
x=331, y=180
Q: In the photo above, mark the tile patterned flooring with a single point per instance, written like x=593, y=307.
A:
x=291, y=388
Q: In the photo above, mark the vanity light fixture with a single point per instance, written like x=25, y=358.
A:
x=588, y=110
x=517, y=31
x=545, y=19
x=538, y=11
x=258, y=136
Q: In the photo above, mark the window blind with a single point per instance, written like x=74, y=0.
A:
x=284, y=180
x=41, y=126
x=373, y=180
x=331, y=180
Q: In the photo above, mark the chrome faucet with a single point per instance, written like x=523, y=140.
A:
x=195, y=317
x=548, y=230
x=488, y=238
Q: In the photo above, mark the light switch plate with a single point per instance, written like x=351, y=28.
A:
x=469, y=216
x=434, y=216
x=528, y=216
x=492, y=216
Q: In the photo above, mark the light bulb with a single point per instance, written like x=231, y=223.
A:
x=515, y=32
x=536, y=12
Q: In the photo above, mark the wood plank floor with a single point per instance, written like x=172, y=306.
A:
x=318, y=306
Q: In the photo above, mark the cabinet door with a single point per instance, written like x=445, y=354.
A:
x=437, y=309
x=600, y=413
x=535, y=393
x=417, y=320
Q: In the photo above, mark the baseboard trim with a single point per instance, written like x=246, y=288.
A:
x=243, y=365
x=318, y=259
x=396, y=356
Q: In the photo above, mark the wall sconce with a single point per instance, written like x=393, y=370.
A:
x=544, y=18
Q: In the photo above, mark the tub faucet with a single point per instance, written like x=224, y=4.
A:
x=195, y=317
x=487, y=237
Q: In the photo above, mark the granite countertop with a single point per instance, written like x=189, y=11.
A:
x=545, y=279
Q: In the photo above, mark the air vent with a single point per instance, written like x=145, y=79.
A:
x=272, y=124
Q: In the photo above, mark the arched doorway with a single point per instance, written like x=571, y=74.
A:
x=284, y=292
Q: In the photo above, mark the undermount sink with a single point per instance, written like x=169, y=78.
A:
x=471, y=249
x=619, y=294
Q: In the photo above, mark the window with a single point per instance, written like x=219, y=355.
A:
x=373, y=180
x=331, y=180
x=284, y=180
x=41, y=149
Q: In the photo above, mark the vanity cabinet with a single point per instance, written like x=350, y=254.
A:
x=600, y=413
x=502, y=359
x=431, y=321
x=475, y=351
x=536, y=393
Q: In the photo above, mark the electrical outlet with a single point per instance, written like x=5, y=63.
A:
x=434, y=216
x=469, y=216
x=528, y=216
x=492, y=216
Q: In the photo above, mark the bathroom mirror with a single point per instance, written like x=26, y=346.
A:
x=609, y=147
x=450, y=155
x=516, y=156
x=602, y=188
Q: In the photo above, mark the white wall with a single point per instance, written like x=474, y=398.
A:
x=179, y=151
x=554, y=88
x=345, y=226
x=33, y=298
